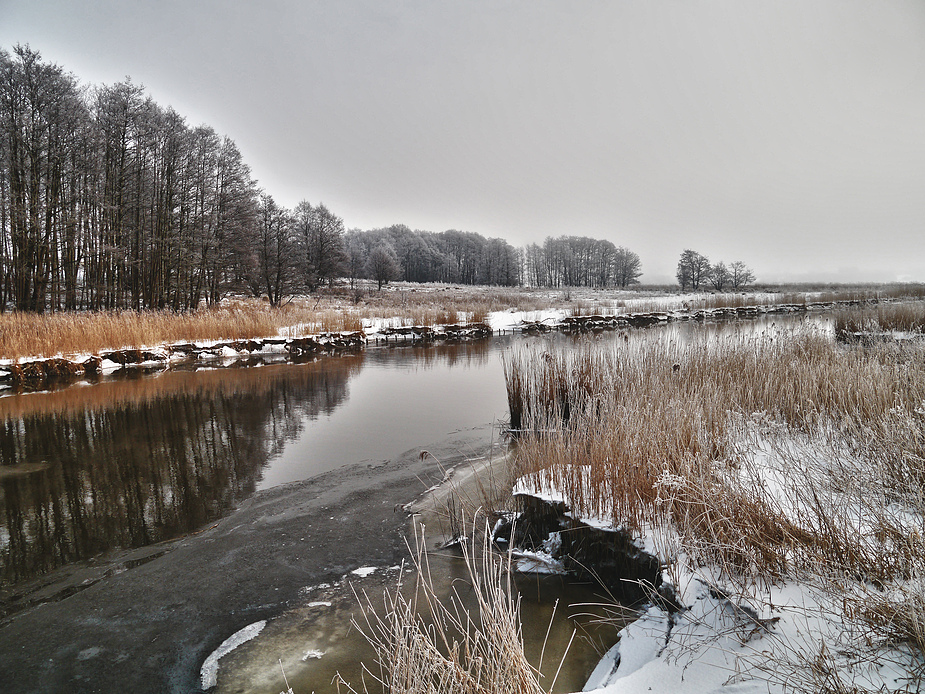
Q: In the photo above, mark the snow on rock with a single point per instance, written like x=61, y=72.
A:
x=209, y=671
x=537, y=563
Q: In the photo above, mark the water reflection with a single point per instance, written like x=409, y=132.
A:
x=126, y=464
x=133, y=461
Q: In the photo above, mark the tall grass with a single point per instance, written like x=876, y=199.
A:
x=768, y=457
x=903, y=317
x=428, y=645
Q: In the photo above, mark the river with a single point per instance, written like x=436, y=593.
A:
x=187, y=504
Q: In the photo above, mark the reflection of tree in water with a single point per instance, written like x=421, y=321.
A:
x=82, y=472
x=434, y=354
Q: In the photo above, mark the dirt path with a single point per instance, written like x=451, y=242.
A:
x=144, y=620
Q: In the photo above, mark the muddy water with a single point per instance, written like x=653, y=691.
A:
x=314, y=644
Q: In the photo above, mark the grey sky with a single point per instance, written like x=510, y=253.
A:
x=790, y=135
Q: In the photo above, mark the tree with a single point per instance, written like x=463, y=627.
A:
x=720, y=276
x=740, y=274
x=357, y=255
x=627, y=267
x=692, y=270
x=382, y=265
x=270, y=263
x=41, y=116
x=321, y=235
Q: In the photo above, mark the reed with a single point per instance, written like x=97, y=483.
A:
x=765, y=456
x=428, y=645
x=900, y=317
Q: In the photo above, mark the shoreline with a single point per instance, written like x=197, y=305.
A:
x=29, y=374
x=147, y=619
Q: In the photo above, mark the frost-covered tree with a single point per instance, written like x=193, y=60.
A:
x=320, y=234
x=382, y=265
x=693, y=269
x=740, y=275
x=720, y=276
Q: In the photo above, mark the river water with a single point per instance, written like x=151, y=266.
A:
x=141, y=458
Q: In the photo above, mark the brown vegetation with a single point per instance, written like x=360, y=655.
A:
x=427, y=645
x=24, y=335
x=769, y=457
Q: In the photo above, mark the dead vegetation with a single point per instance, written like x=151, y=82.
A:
x=24, y=335
x=428, y=645
x=768, y=457
x=886, y=318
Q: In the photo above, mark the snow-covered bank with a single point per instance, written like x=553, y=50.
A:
x=805, y=631
x=294, y=340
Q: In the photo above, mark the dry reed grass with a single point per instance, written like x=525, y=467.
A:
x=764, y=456
x=425, y=645
x=25, y=335
x=30, y=335
x=903, y=317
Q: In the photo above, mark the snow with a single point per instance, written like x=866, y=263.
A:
x=508, y=320
x=715, y=646
x=769, y=636
x=209, y=671
x=536, y=562
x=364, y=571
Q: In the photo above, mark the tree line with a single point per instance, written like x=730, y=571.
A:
x=695, y=271
x=579, y=261
x=109, y=201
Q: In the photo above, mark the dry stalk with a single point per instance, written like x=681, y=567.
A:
x=433, y=646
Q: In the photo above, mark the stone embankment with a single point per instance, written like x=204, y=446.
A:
x=41, y=373
x=440, y=333
x=595, y=323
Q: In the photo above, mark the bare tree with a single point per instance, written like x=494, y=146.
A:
x=692, y=270
x=627, y=267
x=382, y=265
x=720, y=276
x=40, y=107
x=321, y=236
x=270, y=262
x=740, y=275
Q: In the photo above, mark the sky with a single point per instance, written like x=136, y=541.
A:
x=789, y=135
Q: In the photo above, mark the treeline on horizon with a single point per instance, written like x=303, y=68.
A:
x=109, y=200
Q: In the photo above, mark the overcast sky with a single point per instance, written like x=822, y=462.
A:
x=789, y=135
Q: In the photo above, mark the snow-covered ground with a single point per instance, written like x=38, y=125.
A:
x=800, y=632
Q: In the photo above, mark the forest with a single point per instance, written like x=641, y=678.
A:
x=111, y=201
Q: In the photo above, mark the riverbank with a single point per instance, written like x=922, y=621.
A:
x=248, y=324
x=145, y=620
x=776, y=480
